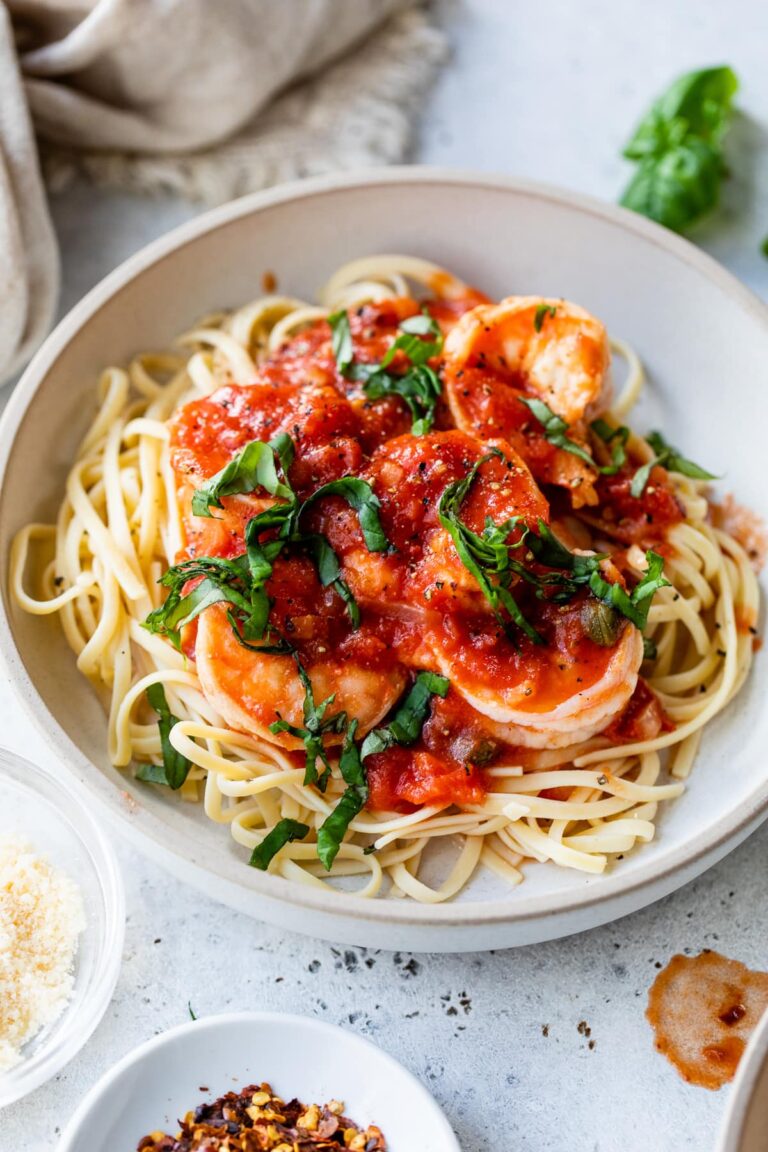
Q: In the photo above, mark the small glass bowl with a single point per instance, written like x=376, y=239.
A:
x=54, y=814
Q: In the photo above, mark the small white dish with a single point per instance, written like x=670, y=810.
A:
x=704, y=340
x=745, y=1125
x=53, y=814
x=316, y=1062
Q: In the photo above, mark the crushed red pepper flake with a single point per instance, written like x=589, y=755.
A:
x=257, y=1120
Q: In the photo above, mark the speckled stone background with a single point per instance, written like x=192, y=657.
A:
x=546, y=1045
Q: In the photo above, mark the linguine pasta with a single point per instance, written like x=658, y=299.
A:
x=124, y=521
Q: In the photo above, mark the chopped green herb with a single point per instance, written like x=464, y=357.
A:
x=406, y=724
x=650, y=651
x=253, y=467
x=333, y=829
x=341, y=340
x=192, y=1015
x=493, y=562
x=542, y=311
x=486, y=556
x=175, y=768
x=556, y=429
x=316, y=725
x=669, y=458
x=240, y=582
x=284, y=832
x=420, y=339
x=678, y=149
x=616, y=439
x=764, y=247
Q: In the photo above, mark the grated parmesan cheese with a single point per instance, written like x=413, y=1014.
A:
x=41, y=917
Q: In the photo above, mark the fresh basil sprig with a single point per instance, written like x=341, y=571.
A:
x=420, y=339
x=284, y=832
x=678, y=149
x=669, y=458
x=175, y=768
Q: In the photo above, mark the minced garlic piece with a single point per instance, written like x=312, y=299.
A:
x=41, y=917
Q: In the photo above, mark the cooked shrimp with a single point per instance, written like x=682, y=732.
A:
x=251, y=690
x=409, y=475
x=552, y=695
x=500, y=354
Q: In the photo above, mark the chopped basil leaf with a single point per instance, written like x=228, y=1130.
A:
x=192, y=1015
x=253, y=467
x=486, y=556
x=542, y=311
x=555, y=429
x=404, y=728
x=678, y=149
x=333, y=829
x=406, y=724
x=316, y=725
x=341, y=340
x=616, y=439
x=636, y=604
x=650, y=651
x=667, y=457
x=175, y=768
x=284, y=832
x=764, y=247
x=241, y=581
x=363, y=500
x=419, y=386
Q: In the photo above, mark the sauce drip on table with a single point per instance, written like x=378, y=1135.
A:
x=703, y=1009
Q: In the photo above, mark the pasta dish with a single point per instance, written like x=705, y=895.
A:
x=392, y=571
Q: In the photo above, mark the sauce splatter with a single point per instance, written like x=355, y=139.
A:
x=703, y=1009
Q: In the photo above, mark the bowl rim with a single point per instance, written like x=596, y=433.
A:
x=141, y=825
x=92, y=1100
x=64, y=1042
x=751, y=1065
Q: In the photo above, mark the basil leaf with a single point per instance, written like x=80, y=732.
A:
x=678, y=146
x=253, y=467
x=410, y=342
x=674, y=462
x=329, y=573
x=542, y=311
x=616, y=439
x=333, y=829
x=419, y=387
x=175, y=767
x=486, y=556
x=284, y=832
x=667, y=457
x=406, y=724
x=341, y=341
x=701, y=99
x=315, y=727
x=555, y=430
x=363, y=500
x=650, y=651
x=635, y=605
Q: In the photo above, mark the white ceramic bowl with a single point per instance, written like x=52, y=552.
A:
x=704, y=339
x=52, y=814
x=313, y=1061
x=745, y=1126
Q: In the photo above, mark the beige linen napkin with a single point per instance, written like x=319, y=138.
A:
x=210, y=98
